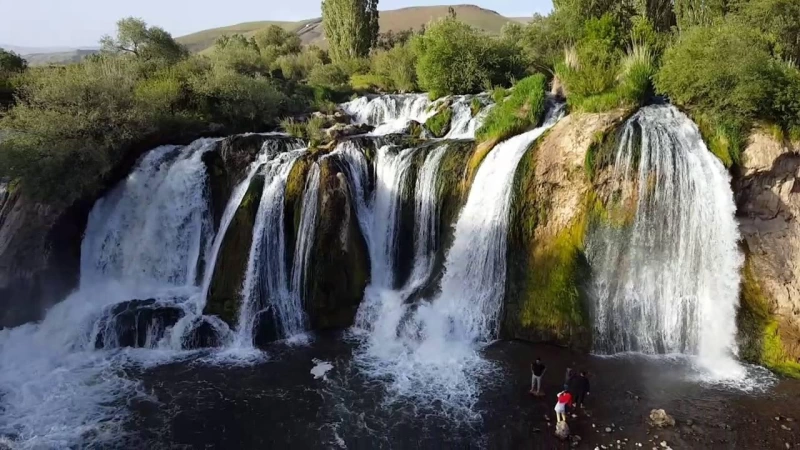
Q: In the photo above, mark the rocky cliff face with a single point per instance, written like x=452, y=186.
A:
x=39, y=255
x=553, y=199
x=768, y=198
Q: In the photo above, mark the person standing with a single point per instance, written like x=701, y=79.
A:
x=579, y=388
x=537, y=372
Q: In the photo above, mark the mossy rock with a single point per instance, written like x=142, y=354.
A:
x=293, y=202
x=546, y=299
x=224, y=296
x=759, y=337
x=340, y=266
x=475, y=106
x=439, y=124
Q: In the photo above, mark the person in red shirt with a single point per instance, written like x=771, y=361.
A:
x=564, y=398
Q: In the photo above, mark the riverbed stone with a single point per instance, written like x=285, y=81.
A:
x=659, y=418
x=132, y=323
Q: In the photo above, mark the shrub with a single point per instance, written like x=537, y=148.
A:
x=238, y=101
x=638, y=70
x=329, y=76
x=395, y=69
x=294, y=128
x=522, y=110
x=298, y=66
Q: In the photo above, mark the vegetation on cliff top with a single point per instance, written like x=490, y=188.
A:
x=524, y=109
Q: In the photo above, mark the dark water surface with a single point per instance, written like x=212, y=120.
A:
x=277, y=403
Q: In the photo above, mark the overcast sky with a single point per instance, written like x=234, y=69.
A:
x=74, y=23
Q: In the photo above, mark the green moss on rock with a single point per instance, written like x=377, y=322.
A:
x=224, y=295
x=546, y=300
x=339, y=269
x=760, y=340
x=439, y=123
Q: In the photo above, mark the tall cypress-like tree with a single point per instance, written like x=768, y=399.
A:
x=351, y=27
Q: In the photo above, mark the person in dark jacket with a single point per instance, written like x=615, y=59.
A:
x=579, y=388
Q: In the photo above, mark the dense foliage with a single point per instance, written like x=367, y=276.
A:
x=729, y=63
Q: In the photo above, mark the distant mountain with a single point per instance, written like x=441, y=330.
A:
x=30, y=50
x=397, y=20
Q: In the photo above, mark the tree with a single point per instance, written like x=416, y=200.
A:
x=11, y=62
x=135, y=38
x=455, y=58
x=779, y=20
x=282, y=41
x=351, y=27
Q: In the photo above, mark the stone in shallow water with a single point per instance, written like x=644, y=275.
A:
x=562, y=430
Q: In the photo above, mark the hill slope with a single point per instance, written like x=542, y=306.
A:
x=396, y=20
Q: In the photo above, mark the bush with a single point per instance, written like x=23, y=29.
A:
x=238, y=101
x=395, y=69
x=298, y=66
x=454, y=58
x=329, y=76
x=522, y=110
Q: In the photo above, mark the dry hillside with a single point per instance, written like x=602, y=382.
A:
x=397, y=20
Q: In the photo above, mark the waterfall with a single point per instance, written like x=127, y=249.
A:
x=669, y=281
x=266, y=286
x=390, y=113
x=463, y=125
x=305, y=241
x=426, y=206
x=150, y=231
x=429, y=350
x=144, y=240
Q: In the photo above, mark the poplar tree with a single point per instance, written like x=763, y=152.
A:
x=351, y=27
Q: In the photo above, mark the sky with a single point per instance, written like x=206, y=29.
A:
x=81, y=23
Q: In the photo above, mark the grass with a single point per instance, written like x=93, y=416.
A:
x=475, y=106
x=311, y=130
x=726, y=139
x=522, y=110
x=595, y=91
x=439, y=123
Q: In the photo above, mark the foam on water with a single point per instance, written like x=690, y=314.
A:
x=390, y=113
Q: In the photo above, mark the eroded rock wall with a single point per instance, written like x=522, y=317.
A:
x=767, y=191
x=553, y=199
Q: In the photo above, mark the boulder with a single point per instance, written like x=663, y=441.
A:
x=206, y=332
x=136, y=323
x=341, y=130
x=266, y=328
x=562, y=430
x=660, y=419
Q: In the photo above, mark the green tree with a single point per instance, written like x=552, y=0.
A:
x=455, y=58
x=351, y=27
x=779, y=20
x=11, y=65
x=134, y=37
x=274, y=37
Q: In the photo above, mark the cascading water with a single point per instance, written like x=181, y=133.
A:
x=390, y=113
x=464, y=124
x=266, y=294
x=426, y=205
x=430, y=352
x=305, y=240
x=144, y=240
x=668, y=282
